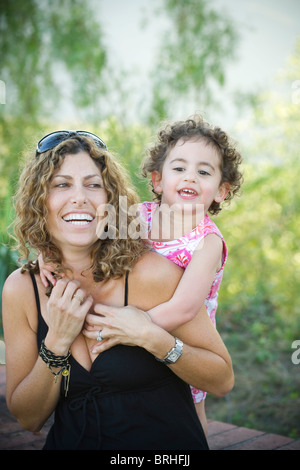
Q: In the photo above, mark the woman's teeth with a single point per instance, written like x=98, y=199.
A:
x=78, y=219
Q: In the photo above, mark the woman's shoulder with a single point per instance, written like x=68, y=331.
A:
x=154, y=279
x=17, y=284
x=18, y=300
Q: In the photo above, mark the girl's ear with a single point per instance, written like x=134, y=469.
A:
x=222, y=192
x=156, y=180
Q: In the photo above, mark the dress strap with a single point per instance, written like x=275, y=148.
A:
x=126, y=289
x=42, y=326
x=36, y=294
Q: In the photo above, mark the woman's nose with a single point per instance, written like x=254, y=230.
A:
x=78, y=196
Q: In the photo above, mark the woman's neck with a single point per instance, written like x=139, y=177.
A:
x=77, y=262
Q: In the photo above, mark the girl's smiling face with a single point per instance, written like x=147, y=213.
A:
x=75, y=193
x=191, y=175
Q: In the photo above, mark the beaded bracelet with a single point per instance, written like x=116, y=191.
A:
x=52, y=360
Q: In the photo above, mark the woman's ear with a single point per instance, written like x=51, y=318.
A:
x=222, y=192
x=156, y=181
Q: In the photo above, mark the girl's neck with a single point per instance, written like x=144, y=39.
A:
x=168, y=224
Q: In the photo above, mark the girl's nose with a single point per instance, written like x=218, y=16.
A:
x=190, y=176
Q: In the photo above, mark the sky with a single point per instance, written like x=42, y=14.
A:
x=268, y=32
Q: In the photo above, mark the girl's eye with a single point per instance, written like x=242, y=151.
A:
x=178, y=168
x=203, y=172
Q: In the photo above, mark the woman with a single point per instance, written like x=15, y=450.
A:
x=123, y=398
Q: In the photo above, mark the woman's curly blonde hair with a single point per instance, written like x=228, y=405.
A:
x=110, y=257
x=196, y=128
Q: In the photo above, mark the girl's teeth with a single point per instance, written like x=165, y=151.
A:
x=188, y=191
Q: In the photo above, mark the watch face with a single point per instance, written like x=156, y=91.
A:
x=173, y=356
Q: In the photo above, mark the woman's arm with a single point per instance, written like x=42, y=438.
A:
x=208, y=368
x=205, y=362
x=193, y=287
x=31, y=391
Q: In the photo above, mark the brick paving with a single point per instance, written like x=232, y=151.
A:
x=221, y=436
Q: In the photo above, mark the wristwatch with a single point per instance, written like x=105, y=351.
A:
x=174, y=354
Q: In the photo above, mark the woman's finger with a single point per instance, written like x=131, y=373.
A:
x=104, y=345
x=79, y=296
x=86, y=305
x=59, y=289
x=96, y=333
x=70, y=289
x=96, y=321
x=106, y=310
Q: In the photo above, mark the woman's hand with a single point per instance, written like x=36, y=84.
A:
x=118, y=325
x=66, y=312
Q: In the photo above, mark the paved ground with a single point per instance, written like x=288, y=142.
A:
x=222, y=436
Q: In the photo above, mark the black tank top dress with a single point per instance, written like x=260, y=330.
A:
x=127, y=401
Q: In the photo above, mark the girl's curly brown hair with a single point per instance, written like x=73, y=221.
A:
x=110, y=257
x=196, y=128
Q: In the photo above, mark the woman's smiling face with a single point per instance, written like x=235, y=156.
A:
x=75, y=193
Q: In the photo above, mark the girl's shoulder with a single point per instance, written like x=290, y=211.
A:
x=147, y=208
x=153, y=280
x=210, y=227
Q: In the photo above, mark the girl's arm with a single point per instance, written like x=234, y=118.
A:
x=194, y=286
x=205, y=362
x=31, y=391
x=191, y=291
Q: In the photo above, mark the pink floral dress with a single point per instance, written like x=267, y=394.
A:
x=180, y=251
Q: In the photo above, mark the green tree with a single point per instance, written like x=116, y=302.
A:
x=259, y=313
x=266, y=218
x=194, y=52
x=38, y=41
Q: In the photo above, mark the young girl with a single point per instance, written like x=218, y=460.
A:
x=193, y=166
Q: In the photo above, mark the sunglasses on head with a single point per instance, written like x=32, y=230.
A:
x=51, y=140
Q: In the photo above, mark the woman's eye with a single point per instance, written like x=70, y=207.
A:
x=61, y=185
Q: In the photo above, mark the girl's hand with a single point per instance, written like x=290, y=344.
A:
x=67, y=309
x=118, y=325
x=46, y=271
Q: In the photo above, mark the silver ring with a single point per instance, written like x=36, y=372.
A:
x=99, y=337
x=76, y=296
